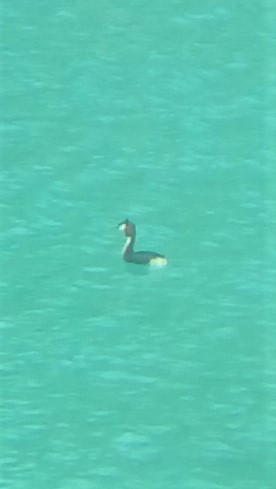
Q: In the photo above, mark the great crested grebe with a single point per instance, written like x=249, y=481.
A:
x=138, y=257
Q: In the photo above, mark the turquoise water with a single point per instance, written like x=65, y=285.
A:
x=115, y=376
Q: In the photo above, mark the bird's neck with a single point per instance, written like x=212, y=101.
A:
x=129, y=244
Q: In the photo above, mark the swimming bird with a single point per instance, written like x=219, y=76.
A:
x=138, y=257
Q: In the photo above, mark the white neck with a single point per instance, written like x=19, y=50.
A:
x=126, y=244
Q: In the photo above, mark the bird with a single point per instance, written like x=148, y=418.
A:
x=138, y=257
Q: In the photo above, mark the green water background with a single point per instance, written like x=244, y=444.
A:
x=115, y=376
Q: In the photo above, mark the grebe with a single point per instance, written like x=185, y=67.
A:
x=138, y=257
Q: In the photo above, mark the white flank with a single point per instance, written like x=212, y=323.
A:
x=158, y=262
